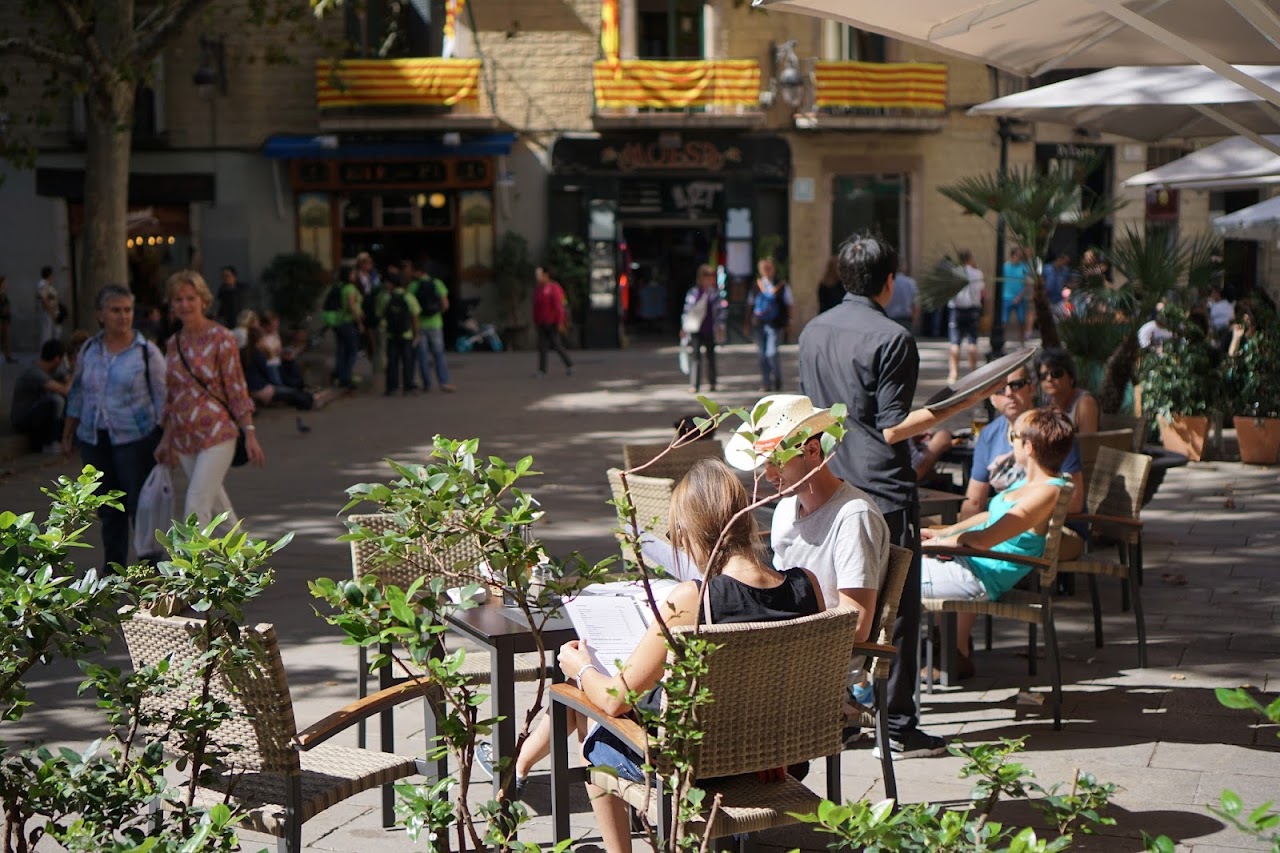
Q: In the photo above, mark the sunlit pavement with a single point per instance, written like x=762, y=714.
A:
x=1158, y=732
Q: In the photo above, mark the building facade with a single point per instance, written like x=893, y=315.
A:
x=662, y=133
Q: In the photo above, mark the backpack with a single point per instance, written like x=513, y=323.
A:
x=765, y=310
x=428, y=294
x=331, y=310
x=399, y=319
x=782, y=317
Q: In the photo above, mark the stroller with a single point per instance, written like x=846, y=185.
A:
x=474, y=334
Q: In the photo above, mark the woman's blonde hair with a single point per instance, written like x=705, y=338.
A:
x=703, y=507
x=192, y=278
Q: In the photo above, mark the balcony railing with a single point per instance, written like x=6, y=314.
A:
x=878, y=87
x=707, y=86
x=354, y=84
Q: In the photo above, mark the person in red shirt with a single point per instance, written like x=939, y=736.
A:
x=550, y=319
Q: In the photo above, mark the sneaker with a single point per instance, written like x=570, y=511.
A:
x=484, y=758
x=916, y=744
x=448, y=389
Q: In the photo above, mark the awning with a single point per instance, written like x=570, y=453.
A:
x=1032, y=37
x=1257, y=222
x=1151, y=104
x=332, y=147
x=1232, y=163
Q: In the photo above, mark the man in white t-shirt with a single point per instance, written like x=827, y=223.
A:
x=821, y=523
x=964, y=313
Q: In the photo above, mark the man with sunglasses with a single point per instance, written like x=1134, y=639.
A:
x=994, y=466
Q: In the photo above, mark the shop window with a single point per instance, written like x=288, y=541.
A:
x=397, y=211
x=315, y=231
x=878, y=204
x=862, y=46
x=389, y=29
x=357, y=212
x=669, y=29
x=435, y=210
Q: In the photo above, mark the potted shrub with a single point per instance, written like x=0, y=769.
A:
x=1178, y=384
x=1252, y=384
x=295, y=281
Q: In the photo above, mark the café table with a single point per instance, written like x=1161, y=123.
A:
x=505, y=632
x=938, y=502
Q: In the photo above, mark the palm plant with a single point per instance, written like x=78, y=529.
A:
x=1031, y=203
x=1153, y=269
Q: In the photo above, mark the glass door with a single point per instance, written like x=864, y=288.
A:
x=879, y=203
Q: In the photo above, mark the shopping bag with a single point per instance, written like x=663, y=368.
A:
x=684, y=354
x=155, y=510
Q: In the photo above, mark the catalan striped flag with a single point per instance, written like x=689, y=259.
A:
x=397, y=82
x=452, y=9
x=677, y=83
x=610, y=35
x=893, y=85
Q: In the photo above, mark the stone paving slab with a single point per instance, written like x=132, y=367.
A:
x=1158, y=731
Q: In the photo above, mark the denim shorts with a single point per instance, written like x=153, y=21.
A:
x=962, y=325
x=603, y=748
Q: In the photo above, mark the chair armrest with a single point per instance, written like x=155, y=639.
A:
x=624, y=727
x=875, y=648
x=1122, y=520
x=375, y=703
x=953, y=551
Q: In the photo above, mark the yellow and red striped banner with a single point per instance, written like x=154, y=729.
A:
x=397, y=82
x=452, y=9
x=677, y=83
x=893, y=85
x=610, y=34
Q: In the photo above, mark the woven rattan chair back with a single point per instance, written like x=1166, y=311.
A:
x=1118, y=482
x=676, y=463
x=776, y=692
x=1053, y=538
x=1138, y=425
x=1092, y=442
x=262, y=725
x=651, y=497
x=895, y=580
x=458, y=560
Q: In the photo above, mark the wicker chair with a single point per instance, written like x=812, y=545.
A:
x=675, y=464
x=1034, y=607
x=880, y=654
x=280, y=778
x=1113, y=505
x=1092, y=442
x=777, y=703
x=652, y=499
x=456, y=561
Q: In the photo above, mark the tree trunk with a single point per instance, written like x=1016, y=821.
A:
x=108, y=138
x=1044, y=315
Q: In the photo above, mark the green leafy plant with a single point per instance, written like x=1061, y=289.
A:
x=1251, y=377
x=570, y=263
x=879, y=826
x=1180, y=378
x=295, y=281
x=512, y=276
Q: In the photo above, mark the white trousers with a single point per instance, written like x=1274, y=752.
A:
x=949, y=579
x=206, y=496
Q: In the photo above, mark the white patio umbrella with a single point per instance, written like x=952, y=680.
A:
x=1260, y=221
x=1151, y=104
x=1233, y=163
x=1031, y=37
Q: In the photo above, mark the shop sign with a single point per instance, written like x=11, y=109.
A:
x=695, y=198
x=648, y=156
x=422, y=172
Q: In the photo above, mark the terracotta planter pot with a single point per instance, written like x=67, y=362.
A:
x=1185, y=434
x=1259, y=440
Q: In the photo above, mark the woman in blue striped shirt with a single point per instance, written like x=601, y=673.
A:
x=114, y=411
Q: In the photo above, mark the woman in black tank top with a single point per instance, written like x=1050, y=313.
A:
x=741, y=587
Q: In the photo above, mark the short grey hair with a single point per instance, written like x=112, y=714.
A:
x=110, y=292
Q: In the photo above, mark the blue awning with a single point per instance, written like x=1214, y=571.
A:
x=331, y=147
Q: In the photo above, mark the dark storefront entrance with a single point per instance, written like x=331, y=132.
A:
x=653, y=207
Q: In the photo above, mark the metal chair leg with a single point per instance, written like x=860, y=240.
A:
x=1096, y=601
x=1055, y=666
x=293, y=815
x=882, y=741
x=928, y=657
x=1139, y=619
x=1126, y=554
x=1031, y=649
x=990, y=629
x=362, y=690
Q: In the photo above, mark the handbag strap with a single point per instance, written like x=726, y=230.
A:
x=177, y=343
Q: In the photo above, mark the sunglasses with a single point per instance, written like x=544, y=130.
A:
x=1015, y=385
x=1014, y=434
x=1056, y=373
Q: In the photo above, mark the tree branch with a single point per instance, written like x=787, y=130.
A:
x=92, y=59
x=56, y=59
x=156, y=31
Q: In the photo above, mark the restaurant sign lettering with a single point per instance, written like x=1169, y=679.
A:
x=651, y=156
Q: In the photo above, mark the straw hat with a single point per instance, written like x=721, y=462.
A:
x=786, y=416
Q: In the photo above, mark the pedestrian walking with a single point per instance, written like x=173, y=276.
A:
x=206, y=403
x=702, y=320
x=115, y=409
x=964, y=311
x=550, y=319
x=771, y=315
x=433, y=298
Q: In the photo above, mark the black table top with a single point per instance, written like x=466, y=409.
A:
x=496, y=626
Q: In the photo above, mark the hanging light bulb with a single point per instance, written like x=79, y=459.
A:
x=437, y=200
x=171, y=240
x=129, y=243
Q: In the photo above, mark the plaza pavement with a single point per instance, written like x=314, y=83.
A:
x=1158, y=733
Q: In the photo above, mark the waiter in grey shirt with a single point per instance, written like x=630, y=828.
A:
x=854, y=354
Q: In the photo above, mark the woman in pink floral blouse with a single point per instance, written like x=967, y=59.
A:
x=206, y=400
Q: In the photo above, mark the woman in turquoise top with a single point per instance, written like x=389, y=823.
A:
x=1016, y=522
